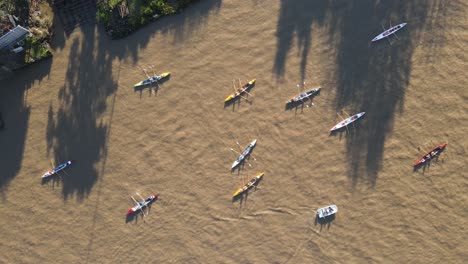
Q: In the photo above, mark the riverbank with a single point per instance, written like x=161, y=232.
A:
x=120, y=17
x=34, y=18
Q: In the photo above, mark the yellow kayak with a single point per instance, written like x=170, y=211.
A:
x=240, y=91
x=153, y=79
x=249, y=185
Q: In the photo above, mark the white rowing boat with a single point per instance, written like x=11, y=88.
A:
x=244, y=154
x=389, y=32
x=304, y=95
x=347, y=121
x=327, y=211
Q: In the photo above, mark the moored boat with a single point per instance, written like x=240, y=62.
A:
x=249, y=185
x=240, y=90
x=347, y=121
x=327, y=211
x=433, y=153
x=244, y=154
x=153, y=79
x=304, y=95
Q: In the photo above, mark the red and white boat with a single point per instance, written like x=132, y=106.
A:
x=433, y=153
x=57, y=169
x=140, y=205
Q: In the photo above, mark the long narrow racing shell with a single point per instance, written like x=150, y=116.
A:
x=153, y=79
x=348, y=121
x=244, y=154
x=57, y=169
x=240, y=91
x=141, y=204
x=249, y=185
x=304, y=95
x=430, y=155
x=389, y=32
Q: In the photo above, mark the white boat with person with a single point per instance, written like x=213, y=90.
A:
x=327, y=211
x=388, y=32
x=244, y=154
x=347, y=121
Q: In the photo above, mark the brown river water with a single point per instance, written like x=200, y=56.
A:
x=81, y=105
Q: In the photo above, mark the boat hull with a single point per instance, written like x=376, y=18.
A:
x=430, y=155
x=249, y=185
x=244, y=154
x=57, y=169
x=244, y=88
x=348, y=121
x=389, y=32
x=140, y=206
x=327, y=211
x=158, y=78
x=304, y=95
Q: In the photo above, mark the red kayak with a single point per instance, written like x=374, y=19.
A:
x=433, y=153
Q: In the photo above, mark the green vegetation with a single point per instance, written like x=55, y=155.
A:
x=38, y=23
x=35, y=50
x=121, y=17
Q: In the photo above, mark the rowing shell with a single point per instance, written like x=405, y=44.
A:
x=57, y=169
x=304, y=95
x=240, y=91
x=347, y=121
x=389, y=31
x=141, y=204
x=435, y=152
x=327, y=211
x=244, y=154
x=249, y=185
x=153, y=79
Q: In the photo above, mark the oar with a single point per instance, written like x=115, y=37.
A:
x=237, y=142
x=248, y=93
x=66, y=173
x=245, y=98
x=252, y=157
x=141, y=206
x=234, y=87
x=354, y=127
x=144, y=71
x=343, y=119
x=236, y=151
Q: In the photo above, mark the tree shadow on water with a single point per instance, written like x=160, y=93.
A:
x=374, y=77
x=371, y=78
x=295, y=20
x=79, y=126
x=77, y=130
x=15, y=114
